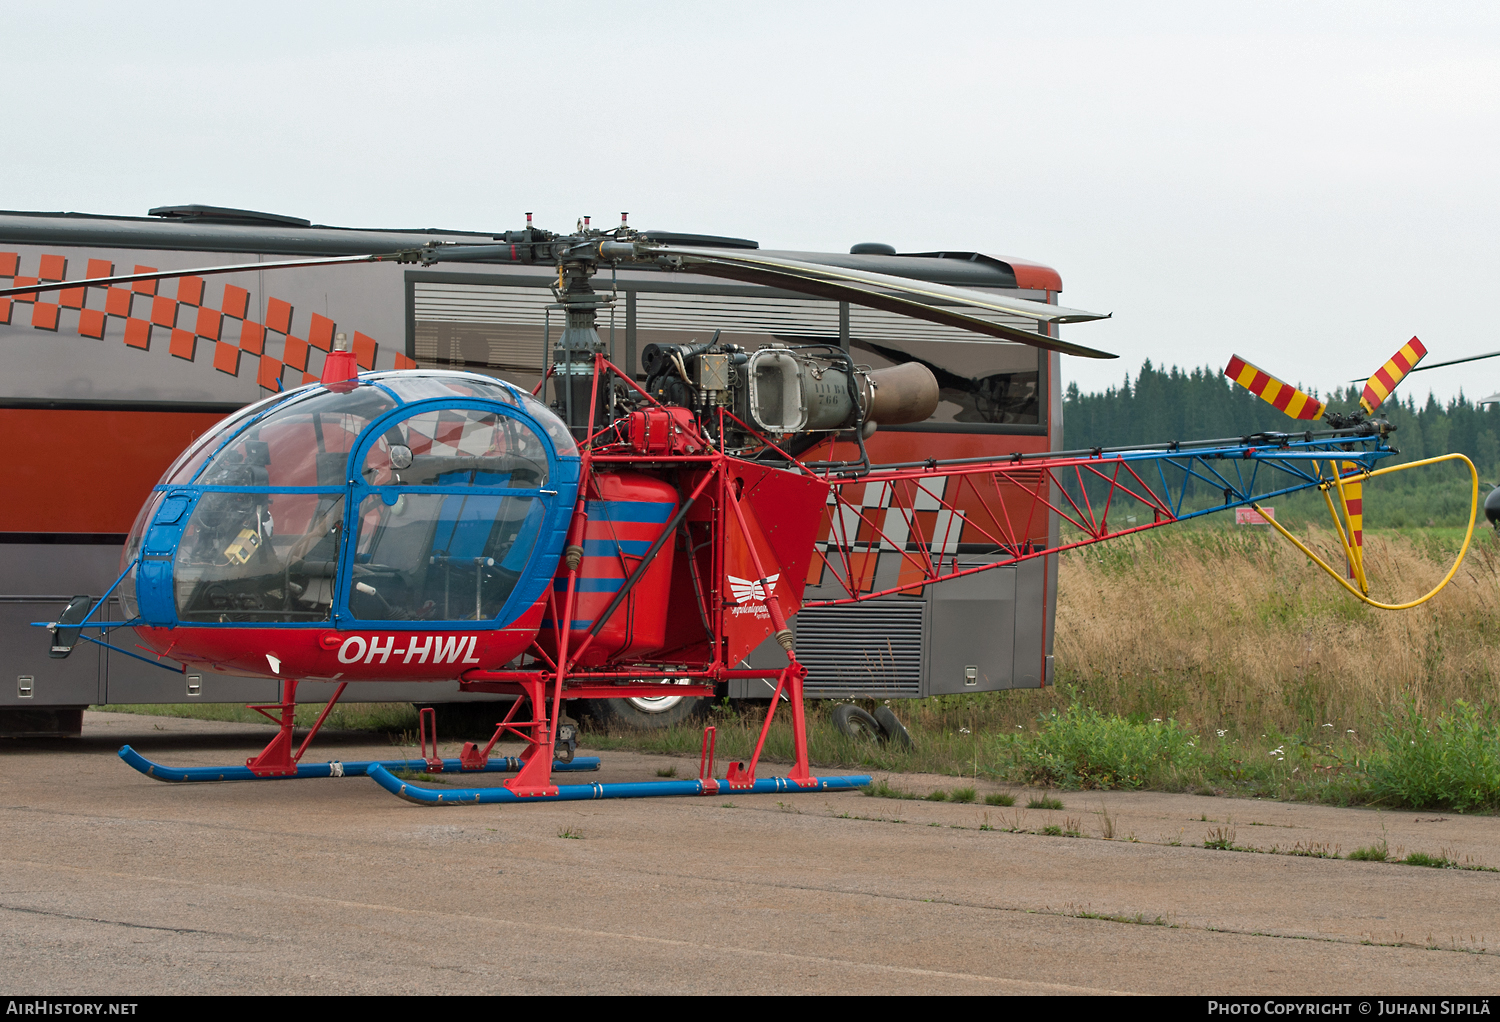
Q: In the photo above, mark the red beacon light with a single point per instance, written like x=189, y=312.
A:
x=341, y=366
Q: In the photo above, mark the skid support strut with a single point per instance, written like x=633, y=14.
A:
x=535, y=777
x=276, y=759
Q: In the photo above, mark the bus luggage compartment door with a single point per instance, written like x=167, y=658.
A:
x=971, y=633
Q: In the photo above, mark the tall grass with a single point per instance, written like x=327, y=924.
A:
x=1240, y=630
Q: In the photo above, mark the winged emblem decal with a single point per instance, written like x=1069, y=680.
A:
x=747, y=590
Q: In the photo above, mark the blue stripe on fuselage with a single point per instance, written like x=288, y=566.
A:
x=613, y=547
x=630, y=510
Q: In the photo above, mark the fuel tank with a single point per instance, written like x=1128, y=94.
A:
x=627, y=511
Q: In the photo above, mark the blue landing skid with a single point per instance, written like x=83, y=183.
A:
x=497, y=764
x=585, y=792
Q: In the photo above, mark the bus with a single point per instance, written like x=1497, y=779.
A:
x=105, y=386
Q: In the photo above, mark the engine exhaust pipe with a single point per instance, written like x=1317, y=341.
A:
x=899, y=395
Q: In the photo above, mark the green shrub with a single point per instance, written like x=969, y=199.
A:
x=1083, y=748
x=1450, y=763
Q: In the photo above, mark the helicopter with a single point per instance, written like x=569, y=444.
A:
x=620, y=538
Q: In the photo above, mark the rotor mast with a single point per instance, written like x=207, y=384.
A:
x=573, y=356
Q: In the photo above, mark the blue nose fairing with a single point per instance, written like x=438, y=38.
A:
x=434, y=497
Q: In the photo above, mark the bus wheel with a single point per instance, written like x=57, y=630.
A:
x=892, y=729
x=642, y=713
x=852, y=722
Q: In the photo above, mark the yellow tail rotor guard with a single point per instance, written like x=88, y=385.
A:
x=1344, y=539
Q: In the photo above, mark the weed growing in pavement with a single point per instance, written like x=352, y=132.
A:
x=570, y=834
x=1378, y=852
x=938, y=796
x=962, y=795
x=882, y=789
x=1044, y=802
x=1311, y=850
x=670, y=771
x=1052, y=830
x=1431, y=861
x=1220, y=838
x=999, y=798
x=1138, y=919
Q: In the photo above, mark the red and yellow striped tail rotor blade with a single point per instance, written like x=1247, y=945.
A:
x=1353, y=492
x=1272, y=391
x=1379, y=386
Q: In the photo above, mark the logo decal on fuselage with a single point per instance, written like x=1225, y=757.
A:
x=747, y=590
x=751, y=592
x=437, y=649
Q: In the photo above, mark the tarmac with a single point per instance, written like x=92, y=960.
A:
x=112, y=883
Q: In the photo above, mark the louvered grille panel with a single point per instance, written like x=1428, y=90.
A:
x=879, y=325
x=480, y=303
x=476, y=325
x=735, y=314
x=872, y=649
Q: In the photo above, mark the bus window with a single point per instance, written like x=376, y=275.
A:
x=991, y=382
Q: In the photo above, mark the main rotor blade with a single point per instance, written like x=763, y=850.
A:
x=821, y=287
x=1040, y=311
x=202, y=271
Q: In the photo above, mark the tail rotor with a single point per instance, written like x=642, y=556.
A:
x=1345, y=477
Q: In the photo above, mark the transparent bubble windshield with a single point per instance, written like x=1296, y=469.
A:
x=441, y=556
x=410, y=386
x=457, y=447
x=305, y=443
x=259, y=557
x=126, y=589
x=189, y=461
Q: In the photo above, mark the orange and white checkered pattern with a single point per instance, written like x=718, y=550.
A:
x=876, y=526
x=187, y=322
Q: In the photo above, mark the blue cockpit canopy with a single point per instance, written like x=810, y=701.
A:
x=410, y=496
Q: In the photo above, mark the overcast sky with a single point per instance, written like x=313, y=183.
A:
x=1306, y=185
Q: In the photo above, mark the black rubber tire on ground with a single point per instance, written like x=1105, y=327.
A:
x=894, y=731
x=624, y=714
x=852, y=722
